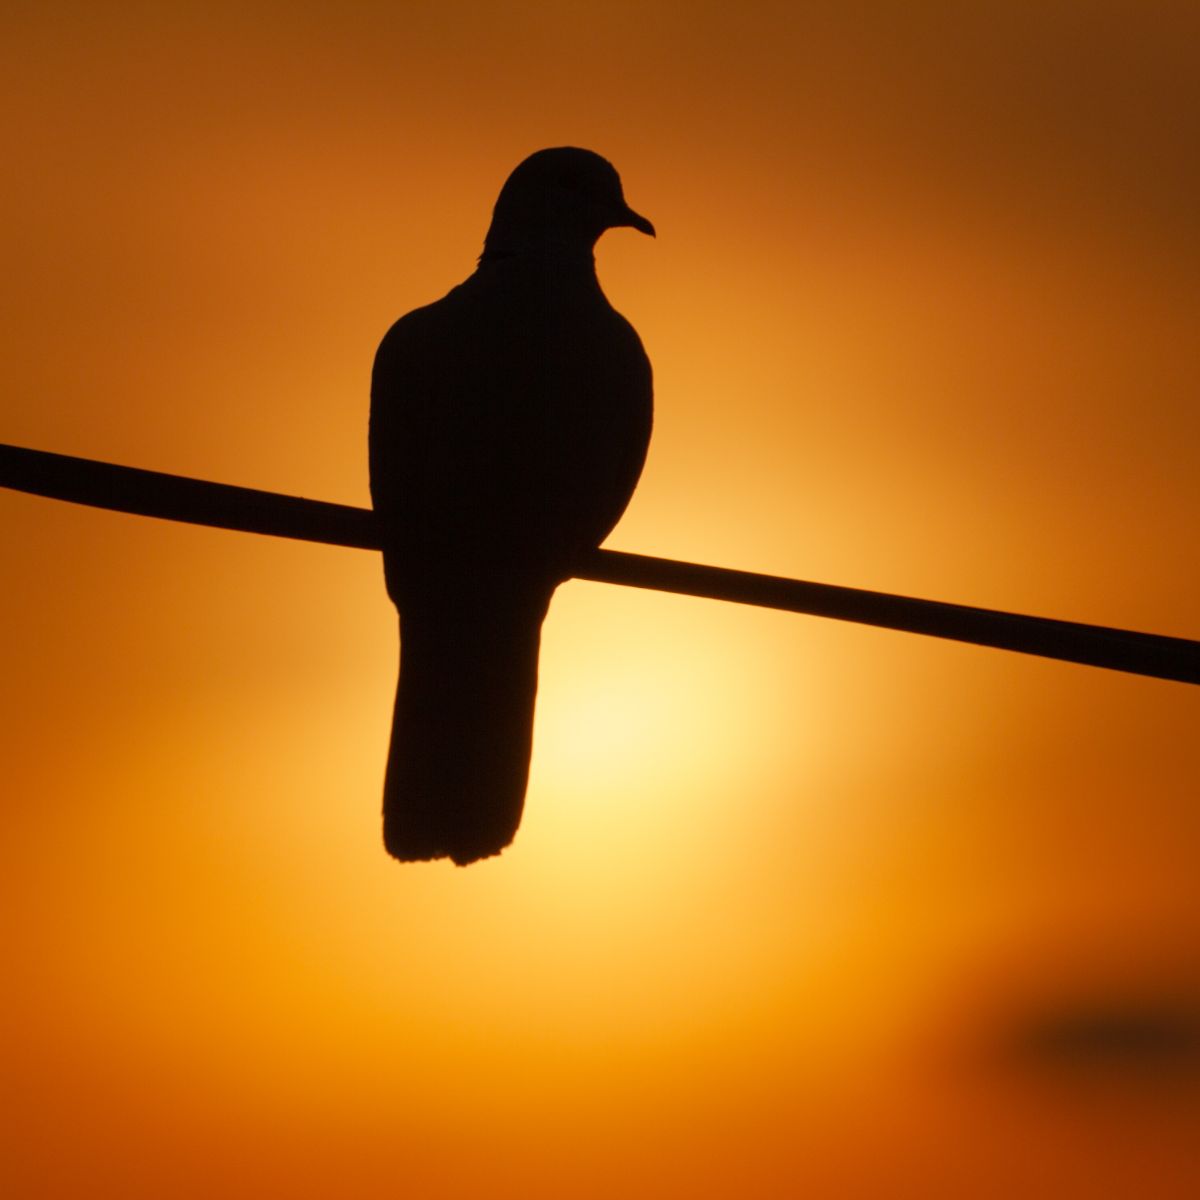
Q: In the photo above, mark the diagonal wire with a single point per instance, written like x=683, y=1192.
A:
x=200, y=502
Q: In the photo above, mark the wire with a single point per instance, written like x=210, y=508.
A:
x=200, y=502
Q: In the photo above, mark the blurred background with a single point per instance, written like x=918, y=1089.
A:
x=798, y=908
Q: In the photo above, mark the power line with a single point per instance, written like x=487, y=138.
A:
x=200, y=502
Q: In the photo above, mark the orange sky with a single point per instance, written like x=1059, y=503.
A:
x=794, y=902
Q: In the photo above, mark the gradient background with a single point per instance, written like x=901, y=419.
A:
x=799, y=908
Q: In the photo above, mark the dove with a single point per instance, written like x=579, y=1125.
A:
x=509, y=425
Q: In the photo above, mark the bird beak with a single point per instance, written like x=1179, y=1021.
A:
x=635, y=221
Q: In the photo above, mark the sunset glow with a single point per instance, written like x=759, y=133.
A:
x=798, y=908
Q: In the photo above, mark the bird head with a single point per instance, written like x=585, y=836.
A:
x=559, y=201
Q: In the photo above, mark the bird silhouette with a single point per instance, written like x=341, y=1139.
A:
x=509, y=425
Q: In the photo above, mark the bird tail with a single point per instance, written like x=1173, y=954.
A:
x=462, y=732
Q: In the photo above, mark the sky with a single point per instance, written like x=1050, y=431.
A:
x=797, y=907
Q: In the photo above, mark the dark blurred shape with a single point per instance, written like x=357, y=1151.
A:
x=1146, y=1041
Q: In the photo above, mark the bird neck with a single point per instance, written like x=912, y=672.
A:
x=518, y=239
x=553, y=265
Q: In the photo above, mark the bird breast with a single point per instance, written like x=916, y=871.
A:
x=512, y=419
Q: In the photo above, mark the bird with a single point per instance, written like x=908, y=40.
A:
x=509, y=425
